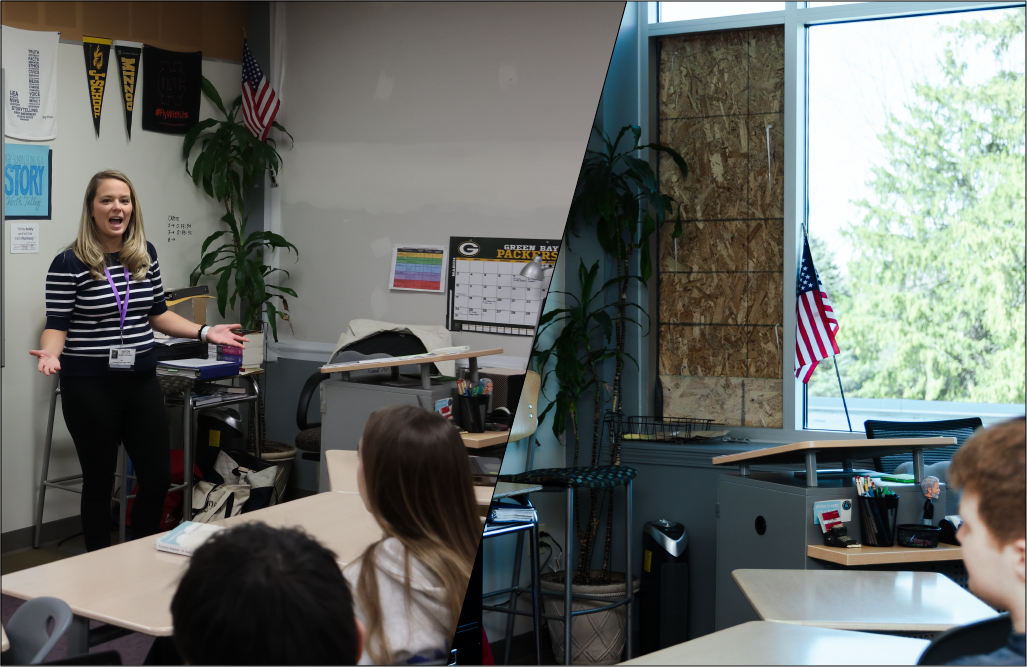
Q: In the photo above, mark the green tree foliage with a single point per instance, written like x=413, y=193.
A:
x=934, y=303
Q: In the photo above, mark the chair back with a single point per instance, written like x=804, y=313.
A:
x=27, y=630
x=960, y=429
x=526, y=418
x=974, y=639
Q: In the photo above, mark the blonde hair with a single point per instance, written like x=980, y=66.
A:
x=89, y=248
x=419, y=489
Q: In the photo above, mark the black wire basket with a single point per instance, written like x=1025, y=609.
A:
x=664, y=429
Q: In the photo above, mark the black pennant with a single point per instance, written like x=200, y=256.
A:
x=128, y=62
x=97, y=51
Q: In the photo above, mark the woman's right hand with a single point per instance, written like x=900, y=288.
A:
x=48, y=363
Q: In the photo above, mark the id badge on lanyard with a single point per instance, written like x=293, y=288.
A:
x=121, y=358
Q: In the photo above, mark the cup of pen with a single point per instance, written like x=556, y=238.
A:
x=878, y=511
x=472, y=412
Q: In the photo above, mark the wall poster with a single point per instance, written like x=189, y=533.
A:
x=28, y=181
x=485, y=291
x=418, y=267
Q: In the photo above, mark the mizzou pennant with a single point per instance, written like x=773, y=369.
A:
x=171, y=90
x=129, y=56
x=97, y=51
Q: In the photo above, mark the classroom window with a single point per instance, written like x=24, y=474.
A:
x=687, y=11
x=916, y=215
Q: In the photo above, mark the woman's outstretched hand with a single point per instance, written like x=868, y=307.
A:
x=222, y=335
x=48, y=363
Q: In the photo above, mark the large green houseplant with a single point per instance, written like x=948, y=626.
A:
x=229, y=162
x=617, y=197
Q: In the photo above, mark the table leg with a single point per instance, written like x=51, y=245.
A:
x=918, y=464
x=811, y=468
x=568, y=575
x=425, y=376
x=187, y=453
x=256, y=416
x=627, y=570
x=536, y=592
x=78, y=636
x=472, y=367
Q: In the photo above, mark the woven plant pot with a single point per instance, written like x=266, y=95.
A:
x=596, y=639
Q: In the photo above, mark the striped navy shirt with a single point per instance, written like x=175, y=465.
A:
x=87, y=310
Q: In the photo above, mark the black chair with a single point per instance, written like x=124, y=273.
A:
x=380, y=345
x=974, y=639
x=960, y=429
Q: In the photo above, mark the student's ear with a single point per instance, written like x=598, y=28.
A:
x=1017, y=554
x=360, y=638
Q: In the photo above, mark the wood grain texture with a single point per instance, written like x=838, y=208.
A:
x=702, y=298
x=702, y=350
x=719, y=399
x=764, y=298
x=705, y=245
x=883, y=555
x=766, y=70
x=764, y=403
x=763, y=352
x=703, y=75
x=901, y=445
x=716, y=150
x=765, y=246
x=342, y=367
x=861, y=600
x=766, y=196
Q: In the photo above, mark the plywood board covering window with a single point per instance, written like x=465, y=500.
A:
x=721, y=282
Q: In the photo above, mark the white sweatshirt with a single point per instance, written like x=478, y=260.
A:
x=418, y=629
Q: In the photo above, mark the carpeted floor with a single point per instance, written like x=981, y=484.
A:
x=133, y=648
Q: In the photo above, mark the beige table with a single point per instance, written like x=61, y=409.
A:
x=921, y=602
x=762, y=643
x=883, y=555
x=130, y=585
x=4, y=644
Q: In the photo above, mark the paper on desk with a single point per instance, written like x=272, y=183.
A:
x=365, y=362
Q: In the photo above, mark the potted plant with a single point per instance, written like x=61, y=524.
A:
x=618, y=195
x=228, y=164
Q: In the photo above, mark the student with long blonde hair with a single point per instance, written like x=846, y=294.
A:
x=103, y=300
x=415, y=478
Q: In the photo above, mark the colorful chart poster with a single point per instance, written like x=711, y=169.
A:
x=28, y=181
x=418, y=268
x=486, y=291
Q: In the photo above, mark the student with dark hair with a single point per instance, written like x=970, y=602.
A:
x=990, y=469
x=256, y=595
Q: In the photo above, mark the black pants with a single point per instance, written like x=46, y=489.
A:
x=101, y=412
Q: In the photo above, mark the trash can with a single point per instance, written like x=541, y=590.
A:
x=663, y=598
x=217, y=429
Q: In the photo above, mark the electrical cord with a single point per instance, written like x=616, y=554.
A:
x=556, y=559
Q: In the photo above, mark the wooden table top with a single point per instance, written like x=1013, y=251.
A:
x=486, y=439
x=795, y=451
x=507, y=489
x=763, y=643
x=883, y=555
x=343, y=367
x=130, y=585
x=861, y=599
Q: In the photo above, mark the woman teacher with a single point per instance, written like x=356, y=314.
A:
x=103, y=301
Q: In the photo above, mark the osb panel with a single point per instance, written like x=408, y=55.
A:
x=702, y=298
x=766, y=70
x=213, y=27
x=764, y=403
x=766, y=196
x=763, y=297
x=703, y=75
x=716, y=151
x=702, y=350
x=719, y=399
x=765, y=246
x=763, y=349
x=705, y=245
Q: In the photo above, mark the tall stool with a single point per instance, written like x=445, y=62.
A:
x=69, y=483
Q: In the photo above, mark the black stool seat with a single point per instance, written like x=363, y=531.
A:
x=600, y=477
x=309, y=440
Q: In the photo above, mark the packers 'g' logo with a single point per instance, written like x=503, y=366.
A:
x=469, y=248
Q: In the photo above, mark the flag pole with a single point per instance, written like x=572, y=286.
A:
x=844, y=404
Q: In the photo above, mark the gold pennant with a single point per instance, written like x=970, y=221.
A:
x=97, y=51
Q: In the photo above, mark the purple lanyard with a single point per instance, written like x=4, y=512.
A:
x=122, y=305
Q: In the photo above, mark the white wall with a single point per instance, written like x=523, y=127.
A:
x=153, y=162
x=418, y=121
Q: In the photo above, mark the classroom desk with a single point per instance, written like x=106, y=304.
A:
x=883, y=555
x=4, y=644
x=763, y=643
x=921, y=602
x=130, y=585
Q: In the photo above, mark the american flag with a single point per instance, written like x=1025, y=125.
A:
x=259, y=100
x=815, y=322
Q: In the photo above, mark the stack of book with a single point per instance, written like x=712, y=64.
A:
x=209, y=395
x=187, y=537
x=249, y=358
x=198, y=369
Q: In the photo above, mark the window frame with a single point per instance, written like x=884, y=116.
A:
x=796, y=19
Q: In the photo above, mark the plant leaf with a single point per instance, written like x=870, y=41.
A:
x=212, y=94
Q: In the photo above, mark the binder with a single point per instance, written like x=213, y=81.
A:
x=200, y=369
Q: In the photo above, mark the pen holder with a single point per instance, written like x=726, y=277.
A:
x=878, y=520
x=472, y=412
